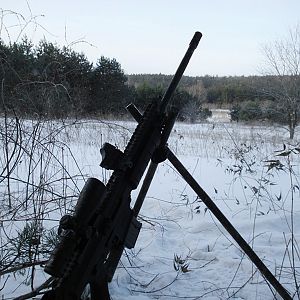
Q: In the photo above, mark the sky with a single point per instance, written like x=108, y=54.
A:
x=152, y=36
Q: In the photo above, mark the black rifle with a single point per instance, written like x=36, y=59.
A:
x=94, y=237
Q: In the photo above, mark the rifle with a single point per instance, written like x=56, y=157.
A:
x=103, y=223
x=92, y=240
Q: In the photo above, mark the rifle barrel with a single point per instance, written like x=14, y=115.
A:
x=176, y=78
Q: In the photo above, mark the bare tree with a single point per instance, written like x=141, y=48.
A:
x=283, y=67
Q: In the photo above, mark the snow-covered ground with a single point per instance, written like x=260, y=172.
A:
x=183, y=252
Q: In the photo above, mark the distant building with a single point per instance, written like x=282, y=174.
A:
x=219, y=115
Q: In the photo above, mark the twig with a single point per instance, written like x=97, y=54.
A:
x=22, y=266
x=36, y=291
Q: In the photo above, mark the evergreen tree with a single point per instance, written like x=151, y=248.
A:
x=108, y=89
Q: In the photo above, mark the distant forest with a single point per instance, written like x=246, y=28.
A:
x=48, y=81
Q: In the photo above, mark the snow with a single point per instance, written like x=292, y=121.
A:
x=183, y=251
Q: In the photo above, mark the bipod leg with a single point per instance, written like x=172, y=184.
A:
x=144, y=189
x=228, y=226
x=160, y=155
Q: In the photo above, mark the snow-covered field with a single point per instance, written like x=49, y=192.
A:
x=182, y=252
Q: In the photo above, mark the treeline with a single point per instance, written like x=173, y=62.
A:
x=248, y=98
x=51, y=81
x=47, y=80
x=214, y=90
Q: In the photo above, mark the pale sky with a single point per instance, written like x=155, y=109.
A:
x=152, y=36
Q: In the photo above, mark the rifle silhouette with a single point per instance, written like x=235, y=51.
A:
x=92, y=240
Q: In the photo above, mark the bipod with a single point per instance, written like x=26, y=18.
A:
x=163, y=152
